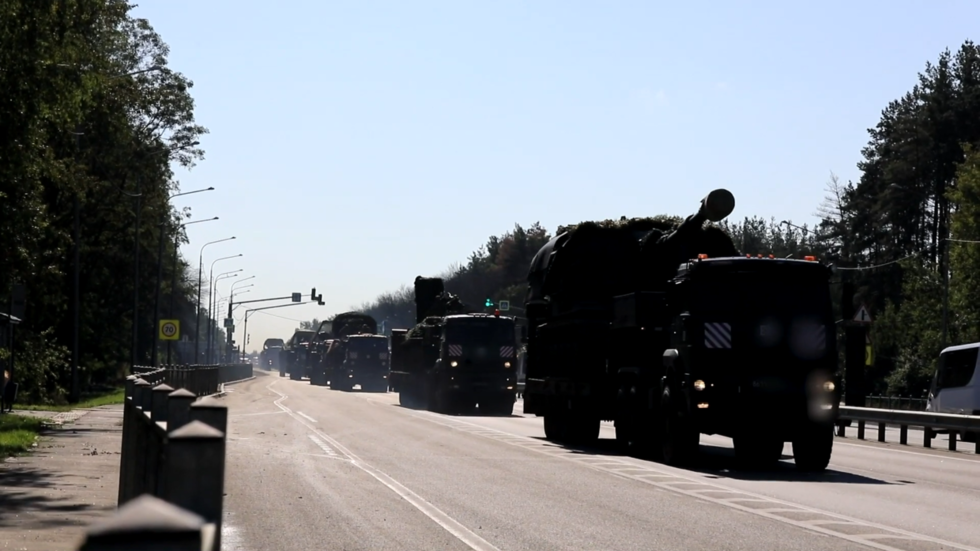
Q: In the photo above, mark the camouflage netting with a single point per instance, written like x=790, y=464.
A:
x=602, y=259
x=661, y=222
x=417, y=331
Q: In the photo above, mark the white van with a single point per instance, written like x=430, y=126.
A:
x=956, y=384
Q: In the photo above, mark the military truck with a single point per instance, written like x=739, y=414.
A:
x=317, y=351
x=270, y=358
x=450, y=362
x=296, y=349
x=357, y=355
x=673, y=334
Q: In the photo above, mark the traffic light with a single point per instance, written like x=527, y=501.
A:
x=488, y=303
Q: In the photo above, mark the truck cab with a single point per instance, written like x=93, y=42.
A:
x=750, y=337
x=270, y=356
x=297, y=349
x=363, y=360
x=476, y=364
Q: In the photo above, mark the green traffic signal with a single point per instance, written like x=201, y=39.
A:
x=488, y=303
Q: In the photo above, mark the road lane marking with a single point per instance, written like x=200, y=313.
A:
x=463, y=534
x=307, y=417
x=667, y=480
x=322, y=445
x=280, y=412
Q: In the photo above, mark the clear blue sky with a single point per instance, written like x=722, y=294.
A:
x=356, y=145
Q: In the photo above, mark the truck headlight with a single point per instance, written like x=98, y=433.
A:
x=453, y=363
x=699, y=385
x=507, y=365
x=829, y=386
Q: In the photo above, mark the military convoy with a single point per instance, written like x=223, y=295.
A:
x=673, y=334
x=453, y=361
x=667, y=332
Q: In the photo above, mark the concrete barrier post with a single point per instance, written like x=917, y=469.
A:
x=212, y=412
x=152, y=524
x=196, y=472
x=125, y=450
x=179, y=408
x=159, y=401
x=137, y=461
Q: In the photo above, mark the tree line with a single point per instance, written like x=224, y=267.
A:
x=92, y=119
x=907, y=232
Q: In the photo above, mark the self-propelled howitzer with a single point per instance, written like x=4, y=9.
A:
x=671, y=334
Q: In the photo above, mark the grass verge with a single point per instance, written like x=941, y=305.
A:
x=17, y=433
x=93, y=401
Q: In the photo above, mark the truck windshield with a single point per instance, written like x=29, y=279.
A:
x=743, y=294
x=782, y=316
x=304, y=337
x=366, y=345
x=480, y=331
x=274, y=343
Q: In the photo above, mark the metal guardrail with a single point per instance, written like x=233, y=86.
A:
x=896, y=402
x=931, y=423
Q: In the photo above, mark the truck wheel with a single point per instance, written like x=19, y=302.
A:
x=583, y=429
x=812, y=448
x=680, y=440
x=554, y=426
x=755, y=452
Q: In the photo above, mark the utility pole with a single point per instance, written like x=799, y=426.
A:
x=136, y=276
x=75, y=287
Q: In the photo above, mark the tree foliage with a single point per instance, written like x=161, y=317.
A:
x=90, y=115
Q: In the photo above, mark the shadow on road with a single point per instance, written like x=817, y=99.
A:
x=29, y=499
x=720, y=462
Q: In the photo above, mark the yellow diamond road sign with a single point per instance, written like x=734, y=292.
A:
x=170, y=330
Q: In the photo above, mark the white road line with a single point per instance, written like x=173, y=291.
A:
x=280, y=412
x=870, y=446
x=463, y=534
x=322, y=445
x=536, y=446
x=307, y=417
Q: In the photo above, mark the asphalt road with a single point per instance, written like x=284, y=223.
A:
x=314, y=469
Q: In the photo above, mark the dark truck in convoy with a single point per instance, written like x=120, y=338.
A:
x=450, y=362
x=271, y=356
x=357, y=355
x=671, y=334
x=296, y=350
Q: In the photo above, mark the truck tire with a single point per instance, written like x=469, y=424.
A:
x=812, y=448
x=554, y=427
x=571, y=427
x=679, y=446
x=757, y=451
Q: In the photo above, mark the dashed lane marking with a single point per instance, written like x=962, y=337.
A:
x=462, y=533
x=809, y=518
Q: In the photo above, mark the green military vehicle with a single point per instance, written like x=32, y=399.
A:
x=357, y=355
x=451, y=361
x=296, y=351
x=673, y=334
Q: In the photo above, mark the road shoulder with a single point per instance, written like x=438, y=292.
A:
x=50, y=496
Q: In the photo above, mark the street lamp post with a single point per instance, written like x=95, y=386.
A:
x=231, y=303
x=156, y=300
x=197, y=322
x=211, y=303
x=173, y=277
x=213, y=327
